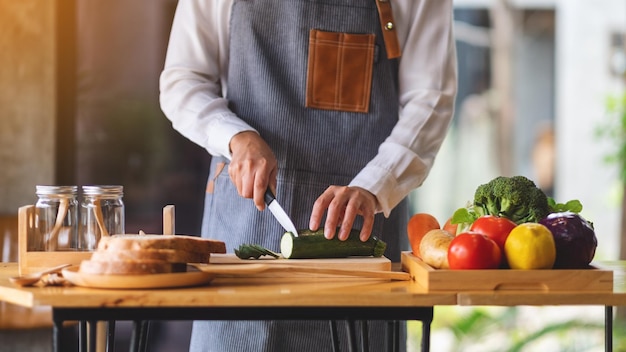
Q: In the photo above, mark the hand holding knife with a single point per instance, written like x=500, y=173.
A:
x=269, y=197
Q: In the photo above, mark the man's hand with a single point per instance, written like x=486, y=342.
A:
x=344, y=204
x=253, y=166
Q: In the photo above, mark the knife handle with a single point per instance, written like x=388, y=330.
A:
x=269, y=196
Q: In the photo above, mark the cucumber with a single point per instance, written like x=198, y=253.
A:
x=313, y=244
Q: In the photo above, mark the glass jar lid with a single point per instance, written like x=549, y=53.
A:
x=44, y=190
x=112, y=190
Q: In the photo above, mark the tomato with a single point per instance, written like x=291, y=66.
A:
x=472, y=250
x=494, y=227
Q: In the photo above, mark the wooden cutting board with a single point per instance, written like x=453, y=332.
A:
x=351, y=263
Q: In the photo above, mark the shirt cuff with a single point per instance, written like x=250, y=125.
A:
x=378, y=181
x=223, y=129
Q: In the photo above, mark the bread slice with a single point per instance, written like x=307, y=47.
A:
x=175, y=242
x=130, y=267
x=168, y=255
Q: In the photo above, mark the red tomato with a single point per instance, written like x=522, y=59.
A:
x=494, y=227
x=472, y=250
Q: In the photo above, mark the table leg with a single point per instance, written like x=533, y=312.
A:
x=393, y=336
x=139, y=337
x=57, y=335
x=145, y=329
x=426, y=335
x=111, y=336
x=608, y=328
x=82, y=336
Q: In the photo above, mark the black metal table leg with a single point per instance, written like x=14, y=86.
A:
x=111, y=336
x=57, y=335
x=139, y=337
x=145, y=330
x=394, y=335
x=608, y=328
x=92, y=329
x=426, y=335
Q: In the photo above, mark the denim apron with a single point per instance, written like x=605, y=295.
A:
x=315, y=148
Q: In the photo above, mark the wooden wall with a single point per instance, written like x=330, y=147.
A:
x=27, y=100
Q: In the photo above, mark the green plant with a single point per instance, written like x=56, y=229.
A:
x=614, y=130
x=508, y=329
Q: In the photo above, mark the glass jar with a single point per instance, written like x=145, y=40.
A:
x=56, y=219
x=102, y=214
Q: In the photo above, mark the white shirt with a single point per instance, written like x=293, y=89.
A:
x=194, y=82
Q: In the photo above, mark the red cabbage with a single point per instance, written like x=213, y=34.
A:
x=575, y=240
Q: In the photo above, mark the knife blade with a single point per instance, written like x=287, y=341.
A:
x=279, y=213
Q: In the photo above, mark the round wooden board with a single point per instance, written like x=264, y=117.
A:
x=184, y=279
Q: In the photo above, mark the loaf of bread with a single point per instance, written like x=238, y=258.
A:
x=149, y=254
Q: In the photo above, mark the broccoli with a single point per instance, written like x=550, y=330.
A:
x=516, y=198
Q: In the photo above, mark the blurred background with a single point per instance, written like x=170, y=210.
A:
x=541, y=94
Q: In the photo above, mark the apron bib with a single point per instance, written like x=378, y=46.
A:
x=315, y=148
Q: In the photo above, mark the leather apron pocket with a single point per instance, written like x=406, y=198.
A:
x=339, y=73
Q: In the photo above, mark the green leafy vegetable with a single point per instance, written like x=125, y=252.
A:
x=247, y=251
x=464, y=217
x=575, y=206
x=516, y=198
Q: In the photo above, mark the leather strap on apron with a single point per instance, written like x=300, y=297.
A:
x=389, y=28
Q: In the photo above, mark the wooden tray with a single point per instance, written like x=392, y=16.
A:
x=591, y=279
x=189, y=278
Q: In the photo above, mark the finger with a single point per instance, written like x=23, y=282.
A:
x=368, y=226
x=260, y=186
x=273, y=180
x=266, y=180
x=335, y=213
x=350, y=213
x=319, y=208
x=234, y=177
x=243, y=178
x=247, y=185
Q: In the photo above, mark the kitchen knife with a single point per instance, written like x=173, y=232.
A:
x=279, y=213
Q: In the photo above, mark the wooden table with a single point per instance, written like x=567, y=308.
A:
x=235, y=299
x=281, y=298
